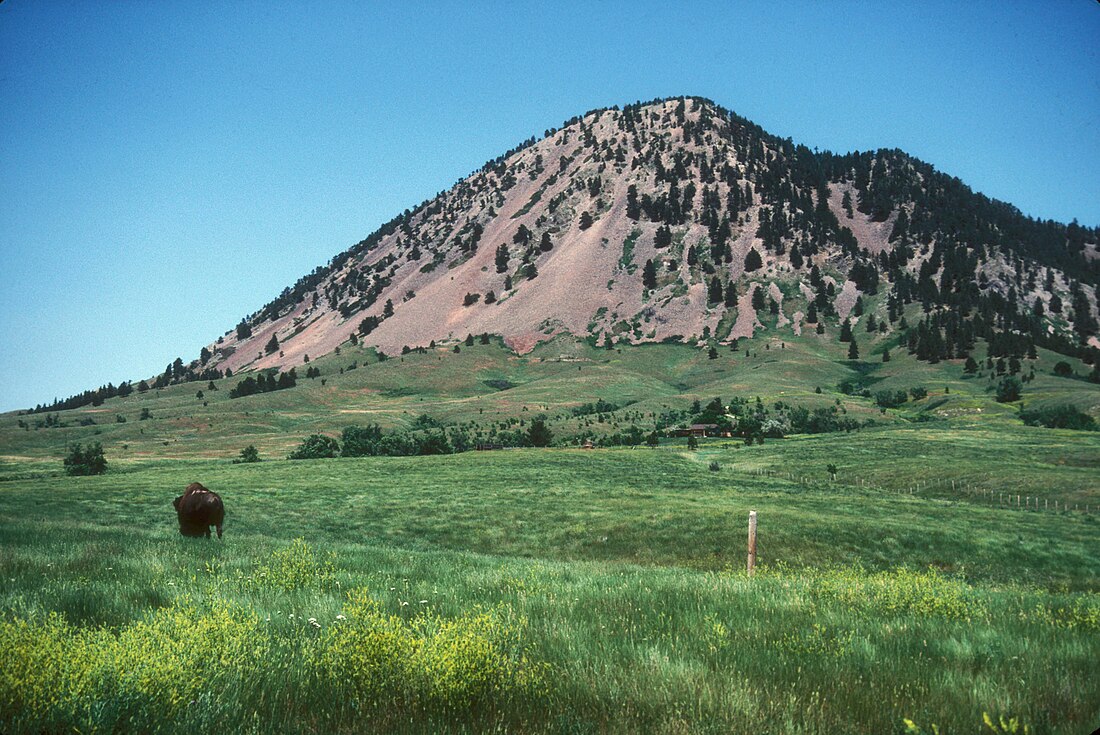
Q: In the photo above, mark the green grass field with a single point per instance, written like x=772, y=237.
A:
x=558, y=590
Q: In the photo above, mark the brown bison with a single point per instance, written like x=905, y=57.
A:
x=198, y=509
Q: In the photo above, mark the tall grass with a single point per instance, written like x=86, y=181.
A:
x=299, y=637
x=538, y=591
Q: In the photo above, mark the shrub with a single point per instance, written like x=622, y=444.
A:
x=890, y=398
x=361, y=441
x=918, y=393
x=714, y=466
x=90, y=461
x=248, y=455
x=316, y=446
x=1063, y=369
x=1063, y=416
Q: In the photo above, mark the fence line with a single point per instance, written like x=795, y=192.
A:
x=996, y=498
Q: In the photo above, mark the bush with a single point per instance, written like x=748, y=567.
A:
x=1064, y=416
x=891, y=398
x=714, y=466
x=361, y=441
x=90, y=461
x=1063, y=369
x=248, y=455
x=918, y=393
x=317, y=446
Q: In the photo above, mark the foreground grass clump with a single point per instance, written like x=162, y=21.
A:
x=451, y=665
x=60, y=677
x=191, y=661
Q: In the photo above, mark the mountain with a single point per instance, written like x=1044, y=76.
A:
x=660, y=221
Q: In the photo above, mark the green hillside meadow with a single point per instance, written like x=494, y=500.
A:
x=561, y=589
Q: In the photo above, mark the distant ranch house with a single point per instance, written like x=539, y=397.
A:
x=699, y=430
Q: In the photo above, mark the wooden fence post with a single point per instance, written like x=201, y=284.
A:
x=752, y=541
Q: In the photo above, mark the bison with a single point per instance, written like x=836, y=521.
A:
x=198, y=509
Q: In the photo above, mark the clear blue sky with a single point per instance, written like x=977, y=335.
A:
x=166, y=168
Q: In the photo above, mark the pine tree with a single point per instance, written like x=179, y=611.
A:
x=758, y=302
x=886, y=355
x=502, y=258
x=633, y=211
x=545, y=245
x=663, y=237
x=649, y=275
x=796, y=257
x=586, y=220
x=538, y=435
x=753, y=261
x=731, y=294
x=846, y=331
x=853, y=350
x=714, y=291
x=387, y=310
x=272, y=345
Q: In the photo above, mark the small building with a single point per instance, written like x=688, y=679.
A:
x=698, y=430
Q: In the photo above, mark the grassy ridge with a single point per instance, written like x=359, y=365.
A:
x=458, y=389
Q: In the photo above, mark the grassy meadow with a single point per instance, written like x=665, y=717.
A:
x=560, y=589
